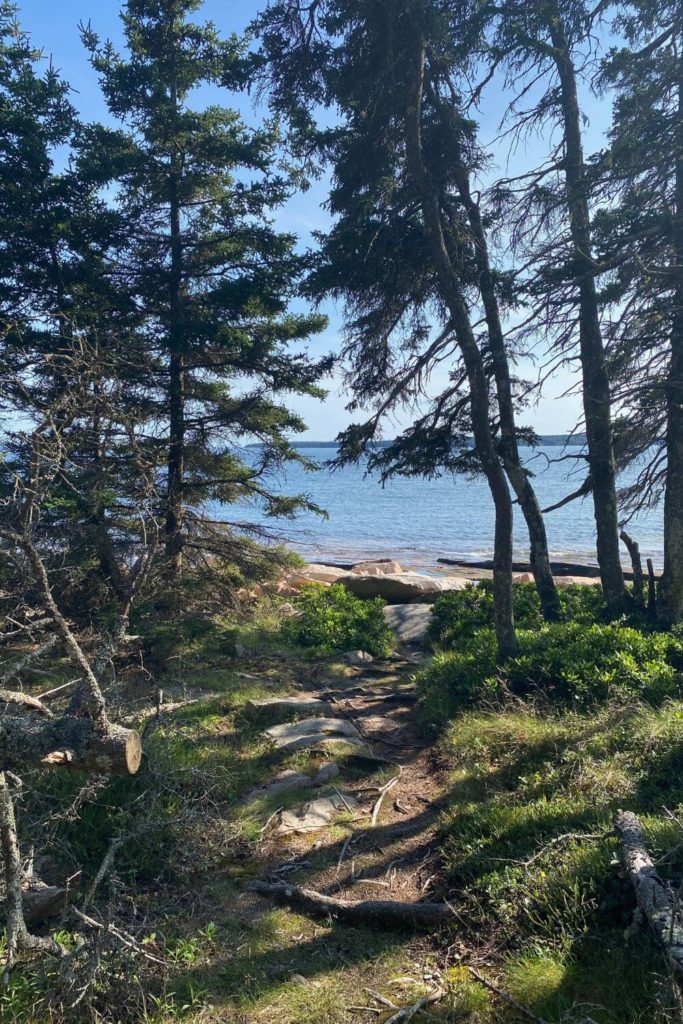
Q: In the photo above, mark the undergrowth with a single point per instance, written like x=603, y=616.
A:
x=333, y=619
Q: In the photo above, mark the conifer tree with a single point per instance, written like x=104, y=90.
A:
x=210, y=275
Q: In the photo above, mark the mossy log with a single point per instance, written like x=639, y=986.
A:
x=72, y=742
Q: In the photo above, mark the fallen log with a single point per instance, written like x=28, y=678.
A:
x=656, y=900
x=71, y=741
x=383, y=913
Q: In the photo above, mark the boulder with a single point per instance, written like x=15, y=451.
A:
x=400, y=588
x=358, y=658
x=377, y=567
x=326, y=772
x=280, y=709
x=315, y=573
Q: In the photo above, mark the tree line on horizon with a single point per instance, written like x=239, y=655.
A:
x=149, y=333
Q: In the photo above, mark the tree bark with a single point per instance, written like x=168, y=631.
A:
x=518, y=477
x=670, y=596
x=655, y=897
x=18, y=936
x=596, y=387
x=479, y=397
x=27, y=741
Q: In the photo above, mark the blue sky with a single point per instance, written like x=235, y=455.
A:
x=54, y=28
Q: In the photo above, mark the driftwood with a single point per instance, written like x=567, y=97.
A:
x=656, y=900
x=637, y=566
x=383, y=913
x=72, y=742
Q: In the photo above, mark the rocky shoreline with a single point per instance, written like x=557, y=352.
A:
x=387, y=578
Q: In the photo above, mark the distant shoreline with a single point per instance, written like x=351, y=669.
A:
x=547, y=440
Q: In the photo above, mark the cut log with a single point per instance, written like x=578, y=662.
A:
x=41, y=902
x=656, y=900
x=72, y=742
x=388, y=914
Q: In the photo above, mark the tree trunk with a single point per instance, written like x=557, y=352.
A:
x=176, y=334
x=474, y=367
x=596, y=388
x=670, y=598
x=27, y=741
x=521, y=484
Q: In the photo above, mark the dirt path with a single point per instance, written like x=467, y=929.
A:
x=381, y=843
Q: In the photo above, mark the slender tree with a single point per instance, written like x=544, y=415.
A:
x=542, y=43
x=642, y=237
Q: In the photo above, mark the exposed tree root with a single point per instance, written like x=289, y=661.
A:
x=385, y=913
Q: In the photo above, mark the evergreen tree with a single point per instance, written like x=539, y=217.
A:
x=401, y=252
x=65, y=323
x=211, y=277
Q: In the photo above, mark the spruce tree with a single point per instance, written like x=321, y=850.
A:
x=211, y=276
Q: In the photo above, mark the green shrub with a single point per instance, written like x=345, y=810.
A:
x=458, y=614
x=333, y=619
x=565, y=663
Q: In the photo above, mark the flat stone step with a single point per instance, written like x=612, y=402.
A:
x=280, y=709
x=315, y=815
x=309, y=731
x=290, y=779
x=409, y=622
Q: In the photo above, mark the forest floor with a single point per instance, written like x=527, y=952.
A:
x=507, y=816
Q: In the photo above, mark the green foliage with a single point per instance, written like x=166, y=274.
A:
x=566, y=663
x=333, y=619
x=520, y=780
x=458, y=614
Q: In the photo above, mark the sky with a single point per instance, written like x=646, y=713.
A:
x=53, y=27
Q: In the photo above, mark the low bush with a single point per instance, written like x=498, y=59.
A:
x=458, y=614
x=332, y=619
x=563, y=663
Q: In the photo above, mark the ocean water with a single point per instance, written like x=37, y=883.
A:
x=418, y=521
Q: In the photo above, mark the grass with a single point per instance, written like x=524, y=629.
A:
x=551, y=924
x=560, y=911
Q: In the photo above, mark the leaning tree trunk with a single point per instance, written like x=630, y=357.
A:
x=670, y=599
x=521, y=484
x=596, y=387
x=474, y=366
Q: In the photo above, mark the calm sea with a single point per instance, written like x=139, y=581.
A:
x=418, y=521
